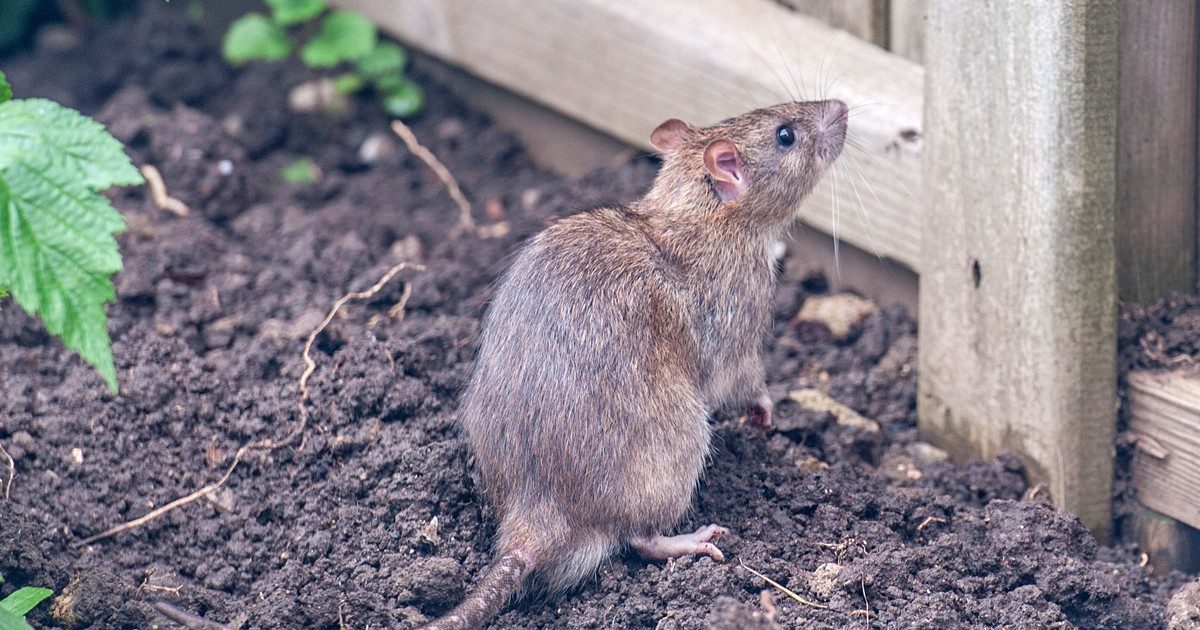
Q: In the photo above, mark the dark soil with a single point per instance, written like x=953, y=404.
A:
x=337, y=529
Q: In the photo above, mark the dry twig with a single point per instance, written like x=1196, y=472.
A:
x=12, y=470
x=187, y=619
x=147, y=586
x=783, y=589
x=465, y=221
x=158, y=192
x=266, y=445
x=863, y=583
x=929, y=520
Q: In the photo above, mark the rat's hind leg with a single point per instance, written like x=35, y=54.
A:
x=699, y=542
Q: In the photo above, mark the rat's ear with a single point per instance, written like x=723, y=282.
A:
x=725, y=165
x=670, y=134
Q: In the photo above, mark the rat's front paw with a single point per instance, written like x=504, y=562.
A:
x=761, y=412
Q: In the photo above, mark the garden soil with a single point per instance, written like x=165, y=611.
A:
x=372, y=518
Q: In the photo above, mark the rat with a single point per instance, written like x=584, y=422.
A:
x=613, y=337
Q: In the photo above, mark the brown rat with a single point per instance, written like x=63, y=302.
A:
x=613, y=337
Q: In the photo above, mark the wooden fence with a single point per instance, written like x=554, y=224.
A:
x=1038, y=166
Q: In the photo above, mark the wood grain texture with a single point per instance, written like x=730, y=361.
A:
x=1156, y=224
x=865, y=19
x=906, y=27
x=1018, y=309
x=623, y=66
x=1164, y=416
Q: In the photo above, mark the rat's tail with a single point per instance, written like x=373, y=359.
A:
x=498, y=584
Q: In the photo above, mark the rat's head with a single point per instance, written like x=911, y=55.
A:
x=761, y=163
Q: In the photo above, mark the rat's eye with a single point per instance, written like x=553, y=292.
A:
x=785, y=136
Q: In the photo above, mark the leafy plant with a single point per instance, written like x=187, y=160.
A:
x=14, y=607
x=330, y=38
x=57, y=245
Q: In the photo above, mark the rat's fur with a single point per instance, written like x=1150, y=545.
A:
x=613, y=337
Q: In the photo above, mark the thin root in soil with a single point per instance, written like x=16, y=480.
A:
x=466, y=221
x=265, y=445
x=158, y=192
x=12, y=470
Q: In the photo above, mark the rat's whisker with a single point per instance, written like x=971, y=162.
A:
x=863, y=214
x=889, y=167
x=786, y=65
x=837, y=259
x=770, y=66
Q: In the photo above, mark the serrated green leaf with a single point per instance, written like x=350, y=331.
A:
x=386, y=58
x=287, y=12
x=5, y=88
x=76, y=143
x=344, y=36
x=404, y=100
x=9, y=621
x=57, y=250
x=25, y=599
x=254, y=36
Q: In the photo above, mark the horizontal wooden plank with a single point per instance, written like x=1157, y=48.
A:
x=865, y=19
x=1165, y=417
x=623, y=66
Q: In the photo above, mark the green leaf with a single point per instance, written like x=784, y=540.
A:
x=287, y=12
x=81, y=147
x=344, y=36
x=300, y=171
x=349, y=83
x=57, y=250
x=24, y=599
x=405, y=100
x=5, y=89
x=386, y=58
x=254, y=36
x=9, y=621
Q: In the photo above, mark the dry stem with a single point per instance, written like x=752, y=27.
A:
x=12, y=470
x=267, y=445
x=466, y=222
x=187, y=619
x=783, y=589
x=929, y=520
x=158, y=192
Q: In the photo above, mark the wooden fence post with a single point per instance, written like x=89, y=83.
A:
x=1156, y=164
x=906, y=25
x=1156, y=230
x=1018, y=286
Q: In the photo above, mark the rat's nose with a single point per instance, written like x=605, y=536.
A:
x=831, y=128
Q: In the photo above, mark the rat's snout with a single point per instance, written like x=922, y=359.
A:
x=832, y=117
